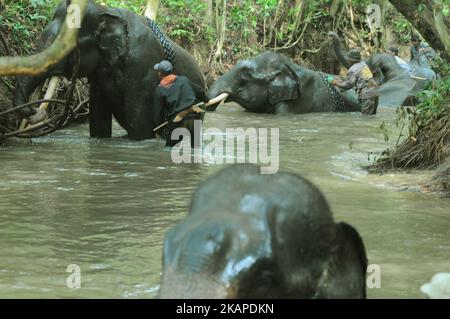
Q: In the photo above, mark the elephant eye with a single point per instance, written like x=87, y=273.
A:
x=246, y=75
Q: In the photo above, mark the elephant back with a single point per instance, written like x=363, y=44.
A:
x=166, y=44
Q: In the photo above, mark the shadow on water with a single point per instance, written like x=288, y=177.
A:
x=106, y=205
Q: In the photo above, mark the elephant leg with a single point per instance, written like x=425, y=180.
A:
x=139, y=117
x=100, y=115
x=351, y=103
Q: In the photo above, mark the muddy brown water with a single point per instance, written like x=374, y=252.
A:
x=106, y=205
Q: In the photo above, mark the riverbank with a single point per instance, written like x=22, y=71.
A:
x=435, y=181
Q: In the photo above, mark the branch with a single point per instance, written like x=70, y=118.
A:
x=5, y=44
x=64, y=43
x=429, y=21
x=151, y=10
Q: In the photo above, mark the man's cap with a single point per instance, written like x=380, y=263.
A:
x=415, y=38
x=393, y=49
x=164, y=66
x=354, y=55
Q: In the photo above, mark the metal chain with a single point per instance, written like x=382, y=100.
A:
x=167, y=46
x=336, y=96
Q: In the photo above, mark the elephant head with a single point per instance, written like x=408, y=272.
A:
x=261, y=236
x=259, y=84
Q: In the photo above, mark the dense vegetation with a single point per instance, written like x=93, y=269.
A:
x=223, y=31
x=424, y=140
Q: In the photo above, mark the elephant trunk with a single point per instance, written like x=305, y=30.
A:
x=199, y=263
x=220, y=91
x=193, y=286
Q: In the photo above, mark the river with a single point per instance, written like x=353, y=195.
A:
x=105, y=205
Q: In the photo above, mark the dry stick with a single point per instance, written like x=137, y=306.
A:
x=63, y=119
x=52, y=85
x=8, y=86
x=352, y=23
x=29, y=128
x=297, y=21
x=288, y=46
x=5, y=44
x=31, y=103
x=4, y=128
x=196, y=108
x=80, y=105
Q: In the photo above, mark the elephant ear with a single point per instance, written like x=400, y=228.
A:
x=344, y=274
x=283, y=87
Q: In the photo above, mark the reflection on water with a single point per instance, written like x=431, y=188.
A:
x=106, y=205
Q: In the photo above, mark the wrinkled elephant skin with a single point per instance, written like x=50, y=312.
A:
x=262, y=236
x=271, y=83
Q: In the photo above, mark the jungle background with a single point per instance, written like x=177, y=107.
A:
x=221, y=32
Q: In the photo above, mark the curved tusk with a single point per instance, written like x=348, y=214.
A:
x=39, y=116
x=222, y=97
x=52, y=86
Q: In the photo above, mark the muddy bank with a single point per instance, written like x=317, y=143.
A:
x=435, y=181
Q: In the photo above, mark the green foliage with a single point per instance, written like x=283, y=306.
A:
x=401, y=27
x=23, y=20
x=434, y=102
x=188, y=23
x=433, y=106
x=137, y=6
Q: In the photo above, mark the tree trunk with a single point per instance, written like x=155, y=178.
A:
x=152, y=9
x=427, y=17
x=64, y=43
x=209, y=12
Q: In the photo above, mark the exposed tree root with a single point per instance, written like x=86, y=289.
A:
x=427, y=150
x=430, y=149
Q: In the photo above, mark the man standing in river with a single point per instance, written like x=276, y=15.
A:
x=361, y=78
x=173, y=95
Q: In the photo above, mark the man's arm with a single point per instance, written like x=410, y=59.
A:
x=187, y=95
x=348, y=83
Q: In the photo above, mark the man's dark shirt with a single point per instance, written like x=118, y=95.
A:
x=172, y=99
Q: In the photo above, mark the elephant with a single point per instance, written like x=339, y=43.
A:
x=272, y=83
x=117, y=50
x=250, y=235
x=397, y=87
x=421, y=68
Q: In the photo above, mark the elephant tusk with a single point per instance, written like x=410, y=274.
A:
x=41, y=111
x=418, y=78
x=222, y=97
x=52, y=86
x=40, y=115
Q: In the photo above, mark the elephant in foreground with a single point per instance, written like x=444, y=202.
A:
x=262, y=236
x=397, y=87
x=271, y=83
x=117, y=50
